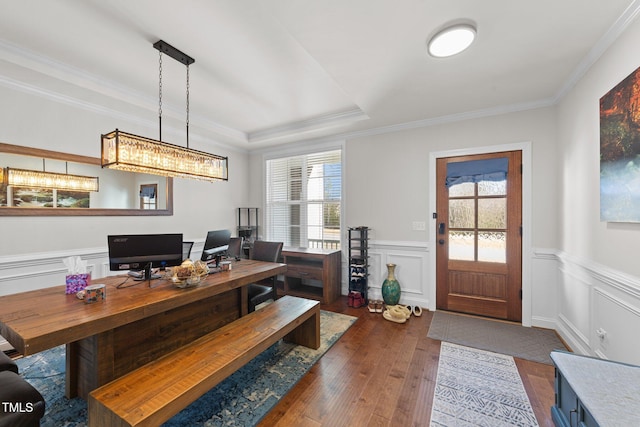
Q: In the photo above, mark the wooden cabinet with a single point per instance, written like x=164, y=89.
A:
x=312, y=273
x=593, y=392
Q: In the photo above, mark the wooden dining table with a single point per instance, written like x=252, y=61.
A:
x=136, y=323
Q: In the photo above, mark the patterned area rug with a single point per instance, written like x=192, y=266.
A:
x=243, y=399
x=533, y=344
x=479, y=388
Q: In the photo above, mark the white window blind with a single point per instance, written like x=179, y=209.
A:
x=303, y=198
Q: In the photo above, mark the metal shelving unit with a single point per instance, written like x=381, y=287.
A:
x=359, y=261
x=248, y=227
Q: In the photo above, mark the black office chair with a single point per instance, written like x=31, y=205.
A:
x=15, y=389
x=235, y=247
x=265, y=290
x=186, y=250
x=7, y=363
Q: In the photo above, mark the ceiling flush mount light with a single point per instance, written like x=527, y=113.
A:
x=451, y=40
x=58, y=181
x=133, y=153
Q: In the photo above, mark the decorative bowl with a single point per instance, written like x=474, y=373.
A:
x=189, y=274
x=193, y=280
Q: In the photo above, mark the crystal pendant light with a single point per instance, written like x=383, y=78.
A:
x=133, y=153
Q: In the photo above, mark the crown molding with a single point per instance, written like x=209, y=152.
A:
x=50, y=67
x=21, y=86
x=417, y=124
x=612, y=34
x=80, y=78
x=107, y=112
x=316, y=123
x=621, y=24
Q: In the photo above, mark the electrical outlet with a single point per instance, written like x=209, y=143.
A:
x=419, y=226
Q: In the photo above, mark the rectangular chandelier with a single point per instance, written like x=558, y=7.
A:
x=58, y=181
x=133, y=153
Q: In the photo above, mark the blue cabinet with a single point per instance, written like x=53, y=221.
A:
x=592, y=392
x=569, y=410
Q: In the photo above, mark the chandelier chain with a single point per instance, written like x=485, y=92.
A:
x=160, y=95
x=187, y=106
x=160, y=85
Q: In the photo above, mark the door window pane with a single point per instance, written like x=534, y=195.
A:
x=492, y=188
x=492, y=246
x=466, y=189
x=492, y=213
x=461, y=245
x=462, y=213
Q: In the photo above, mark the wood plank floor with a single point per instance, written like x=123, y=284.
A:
x=382, y=373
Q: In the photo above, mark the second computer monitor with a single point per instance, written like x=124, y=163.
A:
x=216, y=244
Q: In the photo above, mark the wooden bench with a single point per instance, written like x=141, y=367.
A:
x=155, y=392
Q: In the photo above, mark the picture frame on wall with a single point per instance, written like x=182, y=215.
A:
x=620, y=151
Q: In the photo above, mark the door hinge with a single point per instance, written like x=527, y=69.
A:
x=435, y=215
x=520, y=293
x=520, y=231
x=521, y=169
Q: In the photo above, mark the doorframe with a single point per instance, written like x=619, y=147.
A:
x=525, y=147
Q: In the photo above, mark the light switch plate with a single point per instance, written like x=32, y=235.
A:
x=419, y=226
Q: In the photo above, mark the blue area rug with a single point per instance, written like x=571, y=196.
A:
x=243, y=399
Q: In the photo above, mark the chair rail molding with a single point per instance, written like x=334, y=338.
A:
x=411, y=258
x=577, y=297
x=598, y=298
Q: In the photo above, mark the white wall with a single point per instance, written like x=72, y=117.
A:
x=584, y=274
x=598, y=268
x=39, y=121
x=388, y=174
x=387, y=188
x=582, y=232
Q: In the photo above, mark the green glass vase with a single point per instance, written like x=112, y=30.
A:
x=391, y=287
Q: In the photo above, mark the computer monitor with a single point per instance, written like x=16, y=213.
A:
x=144, y=251
x=216, y=245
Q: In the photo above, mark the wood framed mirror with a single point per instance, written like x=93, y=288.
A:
x=119, y=194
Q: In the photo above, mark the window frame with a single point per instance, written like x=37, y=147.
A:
x=303, y=151
x=148, y=205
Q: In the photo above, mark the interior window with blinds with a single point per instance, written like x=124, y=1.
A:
x=303, y=198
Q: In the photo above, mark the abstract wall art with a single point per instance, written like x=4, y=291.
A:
x=620, y=151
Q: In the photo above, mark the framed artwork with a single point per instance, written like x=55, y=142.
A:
x=26, y=197
x=620, y=151
x=72, y=199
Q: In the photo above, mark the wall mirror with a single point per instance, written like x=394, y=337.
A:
x=119, y=193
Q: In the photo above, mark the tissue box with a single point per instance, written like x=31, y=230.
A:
x=77, y=282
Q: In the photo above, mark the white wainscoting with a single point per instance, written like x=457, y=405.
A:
x=42, y=270
x=411, y=259
x=544, y=285
x=21, y=273
x=598, y=309
x=595, y=309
